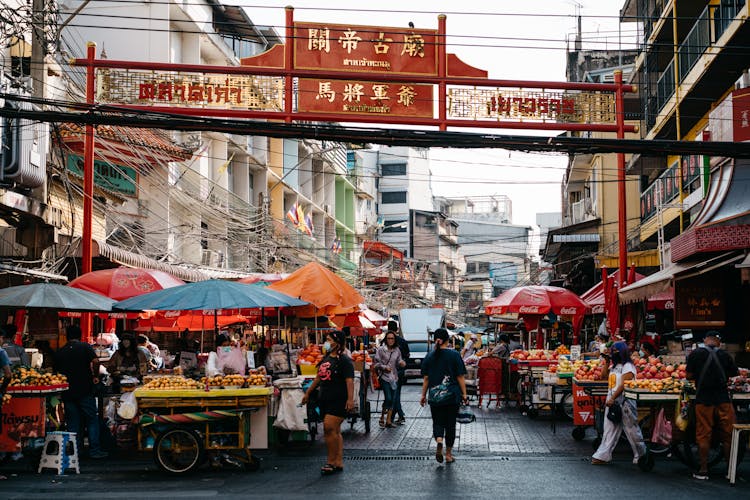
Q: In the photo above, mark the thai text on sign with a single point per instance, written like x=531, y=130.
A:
x=358, y=97
x=510, y=104
x=192, y=89
x=365, y=48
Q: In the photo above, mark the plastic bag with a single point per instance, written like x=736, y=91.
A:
x=662, y=433
x=231, y=360
x=292, y=413
x=681, y=418
x=465, y=415
x=128, y=408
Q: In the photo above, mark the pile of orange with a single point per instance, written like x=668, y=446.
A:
x=361, y=356
x=310, y=355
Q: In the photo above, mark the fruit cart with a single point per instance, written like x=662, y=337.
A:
x=651, y=399
x=489, y=380
x=183, y=427
x=589, y=397
x=28, y=407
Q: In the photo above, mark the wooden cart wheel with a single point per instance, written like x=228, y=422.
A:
x=567, y=406
x=178, y=451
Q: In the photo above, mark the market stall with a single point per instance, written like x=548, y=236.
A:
x=536, y=393
x=29, y=408
x=185, y=422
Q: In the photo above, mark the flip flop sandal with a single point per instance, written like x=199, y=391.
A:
x=329, y=469
x=439, y=453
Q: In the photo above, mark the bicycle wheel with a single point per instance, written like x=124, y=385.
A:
x=566, y=406
x=178, y=451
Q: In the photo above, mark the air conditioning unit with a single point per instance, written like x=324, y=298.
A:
x=206, y=257
x=23, y=156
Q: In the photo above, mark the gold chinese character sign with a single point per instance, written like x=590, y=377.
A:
x=344, y=47
x=365, y=98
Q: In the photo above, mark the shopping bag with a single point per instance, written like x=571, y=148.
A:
x=662, y=433
x=465, y=415
x=681, y=414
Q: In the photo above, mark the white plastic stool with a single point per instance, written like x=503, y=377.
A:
x=737, y=429
x=60, y=452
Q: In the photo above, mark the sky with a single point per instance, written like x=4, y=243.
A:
x=511, y=40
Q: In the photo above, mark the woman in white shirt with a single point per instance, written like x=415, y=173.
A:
x=622, y=370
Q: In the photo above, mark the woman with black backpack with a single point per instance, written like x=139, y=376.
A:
x=444, y=389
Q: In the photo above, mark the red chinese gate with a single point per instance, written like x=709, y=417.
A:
x=348, y=73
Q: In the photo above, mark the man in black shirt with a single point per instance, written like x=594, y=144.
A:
x=711, y=367
x=77, y=361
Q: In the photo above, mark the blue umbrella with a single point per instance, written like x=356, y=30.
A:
x=211, y=294
x=53, y=296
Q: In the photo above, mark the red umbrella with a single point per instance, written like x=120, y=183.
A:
x=265, y=277
x=124, y=282
x=535, y=301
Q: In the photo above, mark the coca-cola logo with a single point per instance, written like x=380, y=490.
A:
x=528, y=309
x=568, y=310
x=669, y=304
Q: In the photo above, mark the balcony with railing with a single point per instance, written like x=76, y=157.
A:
x=696, y=42
x=662, y=191
x=665, y=86
x=724, y=14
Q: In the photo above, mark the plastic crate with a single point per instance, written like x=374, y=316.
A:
x=307, y=369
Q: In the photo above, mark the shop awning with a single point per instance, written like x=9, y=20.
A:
x=182, y=271
x=661, y=281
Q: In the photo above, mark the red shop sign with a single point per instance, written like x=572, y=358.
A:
x=21, y=418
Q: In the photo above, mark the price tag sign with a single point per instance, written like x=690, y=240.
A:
x=575, y=352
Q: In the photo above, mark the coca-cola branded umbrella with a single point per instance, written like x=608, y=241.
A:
x=121, y=283
x=534, y=301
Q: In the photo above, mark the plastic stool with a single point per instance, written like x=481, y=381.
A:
x=737, y=429
x=60, y=452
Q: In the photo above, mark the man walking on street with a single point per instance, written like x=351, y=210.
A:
x=16, y=353
x=711, y=367
x=77, y=361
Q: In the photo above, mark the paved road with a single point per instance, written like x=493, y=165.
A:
x=501, y=455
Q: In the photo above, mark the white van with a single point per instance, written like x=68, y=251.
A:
x=417, y=326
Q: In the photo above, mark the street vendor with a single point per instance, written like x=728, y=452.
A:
x=226, y=359
x=502, y=349
x=151, y=351
x=128, y=360
x=15, y=352
x=470, y=348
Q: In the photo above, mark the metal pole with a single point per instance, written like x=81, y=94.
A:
x=288, y=64
x=88, y=183
x=441, y=67
x=622, y=220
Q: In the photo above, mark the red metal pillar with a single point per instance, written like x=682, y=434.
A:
x=288, y=64
x=622, y=214
x=88, y=183
x=442, y=72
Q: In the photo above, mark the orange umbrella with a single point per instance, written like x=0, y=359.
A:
x=327, y=293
